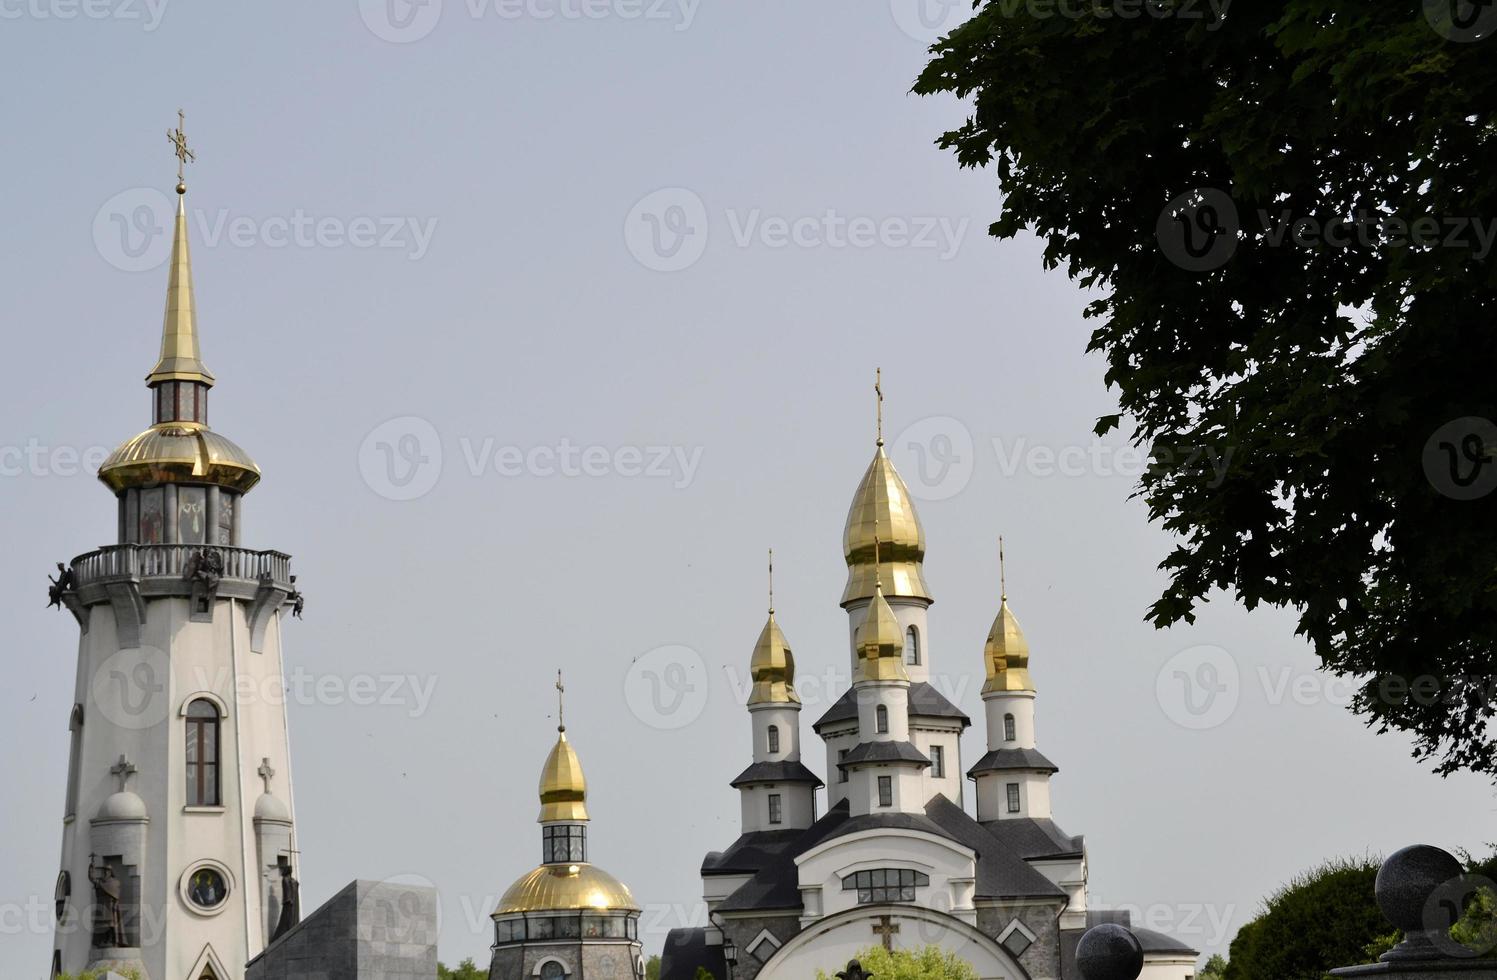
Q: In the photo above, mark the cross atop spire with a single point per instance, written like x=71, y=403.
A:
x=878, y=391
x=266, y=772
x=123, y=770
x=561, y=705
x=179, y=147
x=771, y=581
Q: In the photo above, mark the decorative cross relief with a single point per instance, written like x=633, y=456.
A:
x=886, y=930
x=123, y=770
x=266, y=772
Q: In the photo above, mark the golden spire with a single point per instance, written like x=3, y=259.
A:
x=883, y=500
x=879, y=640
x=180, y=359
x=563, y=788
x=1006, y=653
x=773, y=665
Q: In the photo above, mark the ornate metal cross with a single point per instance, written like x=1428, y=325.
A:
x=886, y=930
x=123, y=770
x=179, y=145
x=265, y=772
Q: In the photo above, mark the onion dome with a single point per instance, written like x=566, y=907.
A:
x=1006, y=655
x=560, y=887
x=563, y=788
x=882, y=505
x=772, y=668
x=880, y=642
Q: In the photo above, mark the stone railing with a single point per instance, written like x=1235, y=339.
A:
x=137, y=562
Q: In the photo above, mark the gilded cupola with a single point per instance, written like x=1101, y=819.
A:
x=563, y=788
x=882, y=507
x=1006, y=653
x=773, y=665
x=879, y=640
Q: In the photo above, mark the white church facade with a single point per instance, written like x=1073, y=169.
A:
x=895, y=859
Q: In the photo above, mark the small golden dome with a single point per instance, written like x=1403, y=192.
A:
x=559, y=887
x=773, y=668
x=1006, y=655
x=179, y=452
x=882, y=506
x=880, y=643
x=563, y=788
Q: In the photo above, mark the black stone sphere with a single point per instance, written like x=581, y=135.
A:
x=1109, y=952
x=1406, y=881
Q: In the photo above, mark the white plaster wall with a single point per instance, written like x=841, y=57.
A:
x=937, y=857
x=909, y=612
x=1020, y=704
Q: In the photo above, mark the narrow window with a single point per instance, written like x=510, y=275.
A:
x=886, y=791
x=1008, y=728
x=881, y=719
x=912, y=646
x=937, y=762
x=775, y=812
x=202, y=753
x=841, y=773
x=1013, y=797
x=774, y=739
x=552, y=970
x=75, y=754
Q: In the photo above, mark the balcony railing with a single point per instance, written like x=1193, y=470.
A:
x=170, y=561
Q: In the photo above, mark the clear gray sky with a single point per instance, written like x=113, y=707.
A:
x=454, y=214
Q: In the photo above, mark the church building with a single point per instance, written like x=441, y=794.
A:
x=896, y=859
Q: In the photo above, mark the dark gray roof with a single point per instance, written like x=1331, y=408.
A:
x=750, y=853
x=925, y=702
x=1034, y=837
x=686, y=951
x=896, y=821
x=1158, y=942
x=1000, y=872
x=1000, y=760
x=775, y=885
x=883, y=752
x=776, y=772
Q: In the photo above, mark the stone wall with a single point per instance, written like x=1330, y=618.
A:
x=370, y=930
x=1042, y=958
x=744, y=931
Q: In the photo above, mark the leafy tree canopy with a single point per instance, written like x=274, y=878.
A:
x=1286, y=211
x=466, y=970
x=928, y=963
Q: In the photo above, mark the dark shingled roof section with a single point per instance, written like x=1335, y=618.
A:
x=776, y=886
x=898, y=821
x=1034, y=837
x=776, y=772
x=883, y=752
x=925, y=702
x=1158, y=942
x=1000, y=760
x=750, y=853
x=685, y=951
x=1000, y=872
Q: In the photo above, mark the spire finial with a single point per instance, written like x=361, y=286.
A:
x=178, y=139
x=771, y=581
x=1002, y=575
x=561, y=703
x=878, y=391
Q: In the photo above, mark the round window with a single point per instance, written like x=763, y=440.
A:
x=206, y=888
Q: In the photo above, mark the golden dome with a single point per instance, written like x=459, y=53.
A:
x=882, y=506
x=563, y=788
x=880, y=643
x=558, y=887
x=773, y=668
x=1006, y=655
x=179, y=452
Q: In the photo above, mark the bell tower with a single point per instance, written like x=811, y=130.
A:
x=178, y=832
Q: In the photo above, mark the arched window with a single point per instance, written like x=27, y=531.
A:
x=553, y=970
x=202, y=753
x=774, y=738
x=912, y=646
x=1008, y=728
x=881, y=719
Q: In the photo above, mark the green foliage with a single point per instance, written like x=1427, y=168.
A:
x=652, y=968
x=929, y=963
x=704, y=974
x=1215, y=968
x=466, y=970
x=1323, y=919
x=1319, y=372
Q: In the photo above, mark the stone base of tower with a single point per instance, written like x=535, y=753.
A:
x=119, y=961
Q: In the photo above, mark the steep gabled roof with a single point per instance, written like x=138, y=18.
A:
x=925, y=702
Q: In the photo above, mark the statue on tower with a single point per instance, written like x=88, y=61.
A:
x=64, y=583
x=204, y=570
x=290, y=902
x=110, y=933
